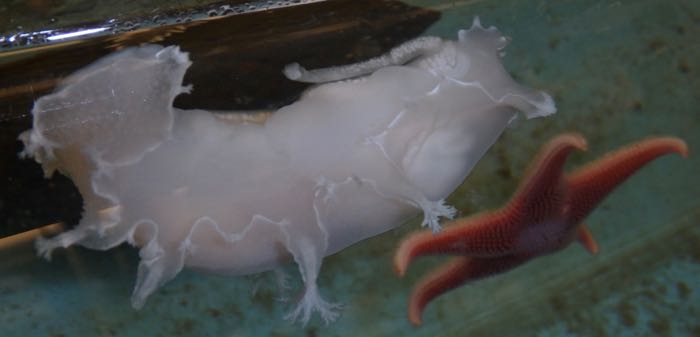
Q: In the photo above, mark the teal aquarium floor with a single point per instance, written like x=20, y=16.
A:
x=619, y=71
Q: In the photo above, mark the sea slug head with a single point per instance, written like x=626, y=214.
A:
x=478, y=53
x=489, y=37
x=475, y=100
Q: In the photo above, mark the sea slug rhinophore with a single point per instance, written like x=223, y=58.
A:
x=372, y=145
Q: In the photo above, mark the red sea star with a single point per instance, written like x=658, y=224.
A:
x=543, y=216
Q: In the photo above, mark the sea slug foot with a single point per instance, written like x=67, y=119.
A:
x=310, y=302
x=45, y=247
x=293, y=71
x=546, y=106
x=157, y=266
x=150, y=276
x=433, y=210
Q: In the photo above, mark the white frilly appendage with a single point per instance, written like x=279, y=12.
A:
x=433, y=211
x=402, y=54
x=349, y=160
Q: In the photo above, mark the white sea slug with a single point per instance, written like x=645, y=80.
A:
x=374, y=144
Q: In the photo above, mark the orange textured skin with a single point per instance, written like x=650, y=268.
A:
x=543, y=216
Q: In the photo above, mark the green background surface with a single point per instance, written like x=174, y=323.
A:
x=618, y=70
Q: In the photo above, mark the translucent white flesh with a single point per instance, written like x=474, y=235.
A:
x=349, y=160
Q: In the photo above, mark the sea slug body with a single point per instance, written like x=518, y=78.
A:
x=372, y=145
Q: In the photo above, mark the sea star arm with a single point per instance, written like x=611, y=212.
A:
x=494, y=234
x=543, y=216
x=477, y=235
x=585, y=237
x=543, y=186
x=454, y=273
x=590, y=184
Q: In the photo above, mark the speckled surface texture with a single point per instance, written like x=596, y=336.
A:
x=619, y=71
